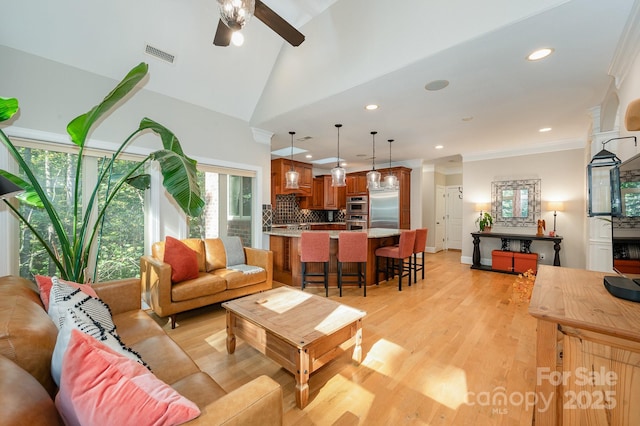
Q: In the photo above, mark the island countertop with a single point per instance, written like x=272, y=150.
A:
x=371, y=233
x=284, y=244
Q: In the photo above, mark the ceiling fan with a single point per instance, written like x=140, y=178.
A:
x=234, y=14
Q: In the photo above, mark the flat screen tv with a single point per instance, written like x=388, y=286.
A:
x=625, y=230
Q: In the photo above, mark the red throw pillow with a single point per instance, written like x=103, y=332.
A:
x=44, y=285
x=101, y=387
x=183, y=260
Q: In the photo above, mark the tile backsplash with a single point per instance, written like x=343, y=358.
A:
x=287, y=211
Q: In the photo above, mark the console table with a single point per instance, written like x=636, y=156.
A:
x=506, y=239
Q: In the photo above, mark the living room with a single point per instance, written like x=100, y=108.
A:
x=51, y=93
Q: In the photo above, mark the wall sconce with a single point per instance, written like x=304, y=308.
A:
x=599, y=181
x=555, y=206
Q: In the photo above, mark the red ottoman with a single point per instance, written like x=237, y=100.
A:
x=502, y=260
x=522, y=262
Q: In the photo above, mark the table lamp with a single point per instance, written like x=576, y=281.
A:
x=556, y=206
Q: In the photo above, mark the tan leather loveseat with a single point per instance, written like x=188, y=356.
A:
x=221, y=275
x=28, y=337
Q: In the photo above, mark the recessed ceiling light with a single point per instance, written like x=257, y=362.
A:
x=545, y=129
x=540, y=54
x=371, y=107
x=439, y=146
x=308, y=156
x=436, y=85
x=468, y=118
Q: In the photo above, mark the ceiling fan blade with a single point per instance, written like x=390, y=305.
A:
x=223, y=34
x=277, y=24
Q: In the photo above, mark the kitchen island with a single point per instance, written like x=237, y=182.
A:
x=284, y=243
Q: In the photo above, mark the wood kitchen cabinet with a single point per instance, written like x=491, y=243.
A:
x=356, y=184
x=279, y=168
x=324, y=196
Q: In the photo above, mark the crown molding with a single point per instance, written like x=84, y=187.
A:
x=555, y=146
x=262, y=136
x=628, y=47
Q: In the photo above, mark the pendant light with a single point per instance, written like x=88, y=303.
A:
x=292, y=177
x=390, y=180
x=338, y=174
x=373, y=177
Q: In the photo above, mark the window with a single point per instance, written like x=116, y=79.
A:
x=228, y=206
x=121, y=242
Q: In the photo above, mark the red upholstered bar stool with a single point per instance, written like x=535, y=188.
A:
x=396, y=256
x=352, y=247
x=418, y=247
x=314, y=248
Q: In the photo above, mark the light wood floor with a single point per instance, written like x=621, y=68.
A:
x=436, y=353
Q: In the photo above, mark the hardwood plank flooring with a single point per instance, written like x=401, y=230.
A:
x=441, y=352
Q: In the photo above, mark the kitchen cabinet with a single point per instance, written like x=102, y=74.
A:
x=356, y=184
x=279, y=168
x=324, y=196
x=404, y=193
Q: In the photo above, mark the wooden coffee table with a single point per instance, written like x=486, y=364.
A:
x=298, y=330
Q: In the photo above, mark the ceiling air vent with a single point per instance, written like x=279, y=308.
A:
x=160, y=54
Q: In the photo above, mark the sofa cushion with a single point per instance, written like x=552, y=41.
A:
x=134, y=326
x=233, y=250
x=205, y=285
x=214, y=254
x=23, y=321
x=183, y=260
x=241, y=275
x=76, y=320
x=27, y=403
x=200, y=388
x=45, y=283
x=165, y=358
x=112, y=389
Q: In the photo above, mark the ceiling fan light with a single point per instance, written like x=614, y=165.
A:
x=236, y=13
x=237, y=38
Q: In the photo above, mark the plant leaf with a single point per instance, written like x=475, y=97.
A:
x=169, y=140
x=30, y=196
x=79, y=127
x=179, y=178
x=140, y=182
x=8, y=107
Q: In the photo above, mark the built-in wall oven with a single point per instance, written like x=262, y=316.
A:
x=358, y=205
x=357, y=222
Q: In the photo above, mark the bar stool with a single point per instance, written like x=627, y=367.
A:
x=314, y=248
x=352, y=247
x=418, y=247
x=396, y=256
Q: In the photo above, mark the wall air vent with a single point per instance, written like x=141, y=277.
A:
x=160, y=54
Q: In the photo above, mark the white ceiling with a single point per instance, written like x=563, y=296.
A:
x=356, y=52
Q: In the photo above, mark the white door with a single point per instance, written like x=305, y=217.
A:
x=440, y=219
x=453, y=239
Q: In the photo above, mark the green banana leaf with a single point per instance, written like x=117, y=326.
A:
x=80, y=126
x=8, y=107
x=140, y=182
x=30, y=196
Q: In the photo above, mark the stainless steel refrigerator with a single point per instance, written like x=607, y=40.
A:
x=384, y=209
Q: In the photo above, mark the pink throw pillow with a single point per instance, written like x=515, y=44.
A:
x=183, y=260
x=100, y=387
x=44, y=285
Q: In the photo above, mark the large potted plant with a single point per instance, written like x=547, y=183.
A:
x=73, y=242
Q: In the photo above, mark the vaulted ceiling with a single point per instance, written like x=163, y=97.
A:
x=357, y=52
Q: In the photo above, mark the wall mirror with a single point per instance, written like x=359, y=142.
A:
x=516, y=202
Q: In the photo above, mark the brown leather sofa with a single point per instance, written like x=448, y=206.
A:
x=28, y=337
x=216, y=282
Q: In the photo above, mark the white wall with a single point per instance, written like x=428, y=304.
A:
x=563, y=177
x=52, y=94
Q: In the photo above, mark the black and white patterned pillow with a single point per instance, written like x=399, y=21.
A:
x=64, y=297
x=76, y=319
